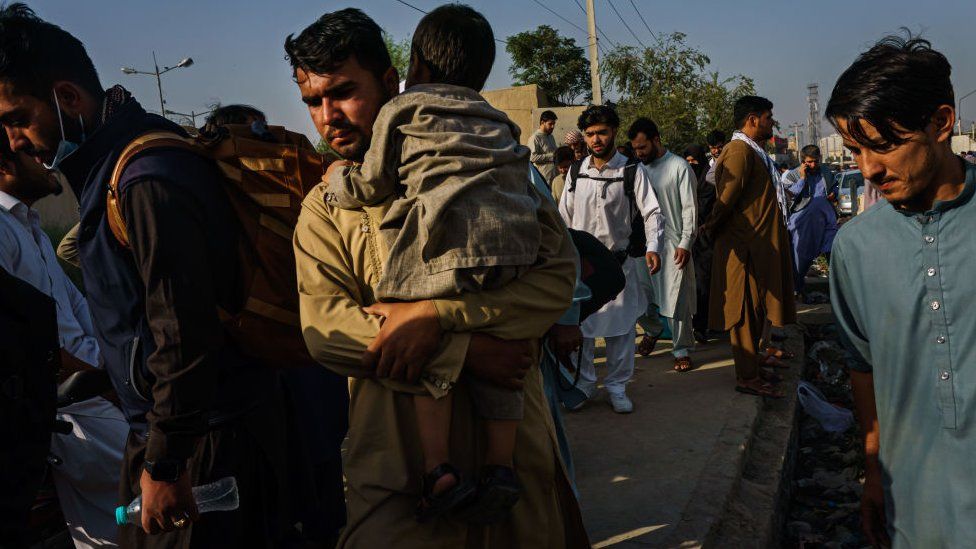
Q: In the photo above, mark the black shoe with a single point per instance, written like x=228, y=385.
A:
x=498, y=491
x=700, y=336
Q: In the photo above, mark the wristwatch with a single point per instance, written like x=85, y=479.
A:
x=165, y=470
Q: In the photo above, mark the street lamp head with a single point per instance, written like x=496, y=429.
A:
x=185, y=63
x=128, y=70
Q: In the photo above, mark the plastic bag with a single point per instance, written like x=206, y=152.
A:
x=833, y=419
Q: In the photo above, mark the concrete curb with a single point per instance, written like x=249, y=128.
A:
x=755, y=507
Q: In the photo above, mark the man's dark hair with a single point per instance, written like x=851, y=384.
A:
x=334, y=38
x=456, y=43
x=546, y=116
x=645, y=126
x=563, y=154
x=749, y=105
x=896, y=86
x=34, y=54
x=812, y=151
x=222, y=115
x=715, y=138
x=598, y=114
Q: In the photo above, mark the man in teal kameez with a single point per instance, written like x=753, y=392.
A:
x=903, y=290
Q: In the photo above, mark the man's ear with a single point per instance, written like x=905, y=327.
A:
x=944, y=121
x=391, y=81
x=71, y=98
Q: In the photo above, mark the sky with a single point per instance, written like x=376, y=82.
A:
x=238, y=53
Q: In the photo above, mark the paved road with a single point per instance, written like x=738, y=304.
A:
x=636, y=473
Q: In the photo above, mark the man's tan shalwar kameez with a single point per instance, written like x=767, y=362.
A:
x=752, y=280
x=339, y=260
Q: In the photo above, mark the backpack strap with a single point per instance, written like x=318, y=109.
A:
x=150, y=140
x=574, y=172
x=630, y=176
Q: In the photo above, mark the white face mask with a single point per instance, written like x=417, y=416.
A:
x=65, y=147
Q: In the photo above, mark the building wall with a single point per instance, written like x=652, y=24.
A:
x=519, y=103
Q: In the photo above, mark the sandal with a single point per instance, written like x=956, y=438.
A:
x=773, y=362
x=435, y=505
x=646, y=345
x=781, y=354
x=498, y=491
x=683, y=364
x=765, y=390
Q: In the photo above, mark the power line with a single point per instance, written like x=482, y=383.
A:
x=412, y=6
x=409, y=5
x=639, y=14
x=547, y=8
x=625, y=23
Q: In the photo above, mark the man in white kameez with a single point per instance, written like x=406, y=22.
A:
x=672, y=290
x=542, y=147
x=87, y=480
x=594, y=200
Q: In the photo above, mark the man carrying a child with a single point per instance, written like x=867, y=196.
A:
x=423, y=359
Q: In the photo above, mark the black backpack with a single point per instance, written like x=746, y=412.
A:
x=599, y=270
x=637, y=243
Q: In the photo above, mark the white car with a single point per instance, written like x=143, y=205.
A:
x=850, y=187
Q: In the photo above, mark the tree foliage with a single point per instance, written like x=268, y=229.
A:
x=399, y=54
x=669, y=82
x=554, y=63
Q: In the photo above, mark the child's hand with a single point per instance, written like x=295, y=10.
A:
x=410, y=335
x=337, y=165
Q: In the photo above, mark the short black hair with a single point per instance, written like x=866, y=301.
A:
x=811, y=151
x=715, y=138
x=749, y=105
x=598, y=114
x=456, y=44
x=221, y=115
x=895, y=86
x=334, y=38
x=562, y=154
x=547, y=115
x=645, y=126
x=34, y=54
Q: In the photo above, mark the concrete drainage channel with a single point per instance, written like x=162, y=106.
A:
x=799, y=485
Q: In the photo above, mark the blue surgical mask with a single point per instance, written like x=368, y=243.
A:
x=65, y=147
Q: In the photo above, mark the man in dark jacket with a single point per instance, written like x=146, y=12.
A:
x=198, y=410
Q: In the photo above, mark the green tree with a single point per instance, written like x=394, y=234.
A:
x=670, y=83
x=554, y=63
x=399, y=54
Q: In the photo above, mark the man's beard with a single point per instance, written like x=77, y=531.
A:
x=607, y=153
x=353, y=150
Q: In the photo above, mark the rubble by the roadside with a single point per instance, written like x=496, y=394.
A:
x=828, y=475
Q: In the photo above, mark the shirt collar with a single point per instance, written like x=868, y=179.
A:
x=8, y=202
x=940, y=206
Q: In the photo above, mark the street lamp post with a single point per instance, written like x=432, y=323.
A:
x=959, y=110
x=186, y=62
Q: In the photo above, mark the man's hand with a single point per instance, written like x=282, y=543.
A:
x=681, y=257
x=500, y=362
x=335, y=165
x=564, y=341
x=410, y=335
x=653, y=262
x=872, y=509
x=165, y=503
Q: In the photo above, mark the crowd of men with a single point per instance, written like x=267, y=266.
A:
x=452, y=415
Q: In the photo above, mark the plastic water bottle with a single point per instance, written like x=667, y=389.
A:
x=220, y=495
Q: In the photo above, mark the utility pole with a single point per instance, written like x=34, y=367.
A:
x=594, y=54
x=186, y=62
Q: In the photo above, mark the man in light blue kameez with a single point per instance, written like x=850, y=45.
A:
x=812, y=222
x=903, y=290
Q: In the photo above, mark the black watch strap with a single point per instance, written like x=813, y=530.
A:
x=165, y=470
